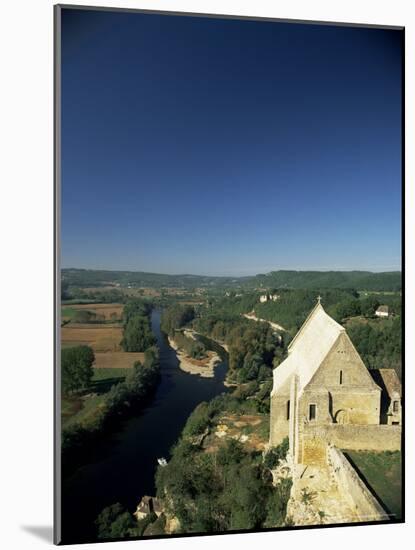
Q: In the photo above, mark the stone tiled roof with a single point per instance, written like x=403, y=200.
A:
x=149, y=504
x=144, y=505
x=390, y=381
x=157, y=508
x=308, y=349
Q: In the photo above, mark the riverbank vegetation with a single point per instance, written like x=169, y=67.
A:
x=175, y=317
x=137, y=334
x=115, y=522
x=216, y=481
x=76, y=368
x=100, y=411
x=91, y=354
x=191, y=347
x=218, y=477
x=254, y=348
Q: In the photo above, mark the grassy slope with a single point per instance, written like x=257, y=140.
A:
x=382, y=472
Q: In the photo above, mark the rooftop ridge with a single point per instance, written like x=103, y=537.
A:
x=316, y=308
x=312, y=343
x=301, y=329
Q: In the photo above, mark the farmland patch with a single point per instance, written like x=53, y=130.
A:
x=117, y=359
x=101, y=338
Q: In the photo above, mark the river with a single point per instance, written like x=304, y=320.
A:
x=125, y=467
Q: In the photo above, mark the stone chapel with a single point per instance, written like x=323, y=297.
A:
x=324, y=394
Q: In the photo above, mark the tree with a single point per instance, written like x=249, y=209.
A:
x=135, y=306
x=176, y=316
x=252, y=363
x=115, y=522
x=245, y=496
x=137, y=335
x=369, y=306
x=349, y=307
x=379, y=343
x=76, y=368
x=214, y=491
x=230, y=453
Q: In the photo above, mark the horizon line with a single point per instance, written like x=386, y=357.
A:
x=313, y=270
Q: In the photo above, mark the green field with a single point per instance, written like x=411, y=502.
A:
x=382, y=473
x=67, y=312
x=84, y=410
x=103, y=379
x=87, y=415
x=65, y=345
x=70, y=406
x=105, y=374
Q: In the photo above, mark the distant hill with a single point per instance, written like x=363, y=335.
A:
x=359, y=280
x=92, y=277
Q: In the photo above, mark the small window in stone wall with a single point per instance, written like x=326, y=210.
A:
x=288, y=410
x=312, y=412
x=341, y=377
x=396, y=406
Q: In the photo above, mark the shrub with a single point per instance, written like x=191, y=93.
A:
x=275, y=455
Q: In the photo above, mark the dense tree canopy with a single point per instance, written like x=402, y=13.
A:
x=106, y=296
x=361, y=280
x=293, y=306
x=254, y=348
x=135, y=307
x=217, y=491
x=379, y=343
x=176, y=316
x=76, y=368
x=115, y=522
x=137, y=334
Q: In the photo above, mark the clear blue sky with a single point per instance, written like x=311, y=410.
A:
x=226, y=147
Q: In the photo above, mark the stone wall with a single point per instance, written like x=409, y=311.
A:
x=354, y=396
x=279, y=423
x=314, y=440
x=362, y=501
x=355, y=406
x=369, y=438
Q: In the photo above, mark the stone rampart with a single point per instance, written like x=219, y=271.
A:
x=363, y=503
x=355, y=437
